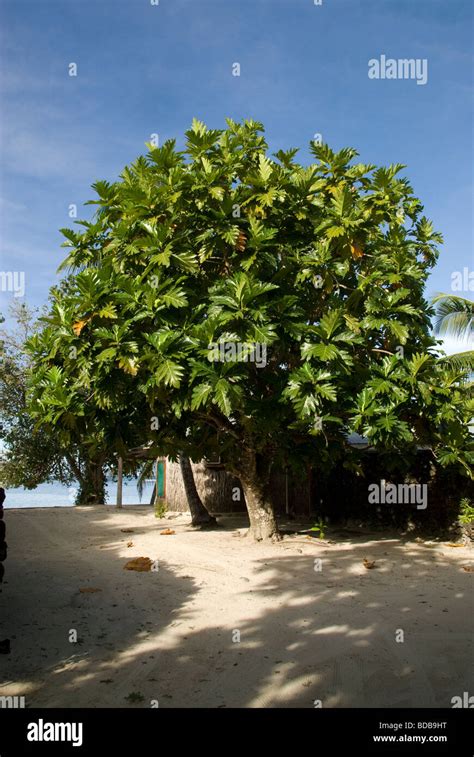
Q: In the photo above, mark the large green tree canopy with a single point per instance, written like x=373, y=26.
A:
x=322, y=267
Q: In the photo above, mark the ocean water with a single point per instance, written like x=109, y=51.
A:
x=57, y=495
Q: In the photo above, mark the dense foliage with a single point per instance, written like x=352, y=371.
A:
x=320, y=269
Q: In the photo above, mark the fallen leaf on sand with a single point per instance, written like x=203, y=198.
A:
x=167, y=532
x=368, y=563
x=468, y=568
x=127, y=530
x=454, y=545
x=139, y=563
x=89, y=590
x=130, y=544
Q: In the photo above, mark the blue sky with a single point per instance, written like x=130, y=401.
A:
x=144, y=69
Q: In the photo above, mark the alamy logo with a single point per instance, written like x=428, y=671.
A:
x=399, y=494
x=14, y=703
x=465, y=701
x=401, y=68
x=242, y=352
x=462, y=281
x=42, y=731
x=13, y=281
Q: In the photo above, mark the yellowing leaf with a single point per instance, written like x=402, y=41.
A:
x=79, y=325
x=259, y=212
x=336, y=189
x=356, y=251
x=129, y=365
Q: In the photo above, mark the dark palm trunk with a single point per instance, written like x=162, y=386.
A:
x=199, y=514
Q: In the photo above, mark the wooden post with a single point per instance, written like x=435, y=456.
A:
x=119, y=482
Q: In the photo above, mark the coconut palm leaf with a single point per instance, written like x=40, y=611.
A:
x=146, y=472
x=454, y=316
x=463, y=361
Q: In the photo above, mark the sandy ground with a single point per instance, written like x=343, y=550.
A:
x=171, y=634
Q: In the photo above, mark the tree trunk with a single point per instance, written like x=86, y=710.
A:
x=199, y=514
x=92, y=484
x=262, y=518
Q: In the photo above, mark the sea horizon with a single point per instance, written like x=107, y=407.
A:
x=57, y=495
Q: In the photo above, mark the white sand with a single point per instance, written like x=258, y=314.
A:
x=305, y=635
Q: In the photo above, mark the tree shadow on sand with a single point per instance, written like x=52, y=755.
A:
x=302, y=632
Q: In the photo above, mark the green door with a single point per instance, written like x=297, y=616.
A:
x=161, y=479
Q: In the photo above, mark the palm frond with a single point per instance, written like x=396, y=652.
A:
x=146, y=471
x=454, y=316
x=463, y=361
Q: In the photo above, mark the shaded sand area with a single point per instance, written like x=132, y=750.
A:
x=172, y=634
